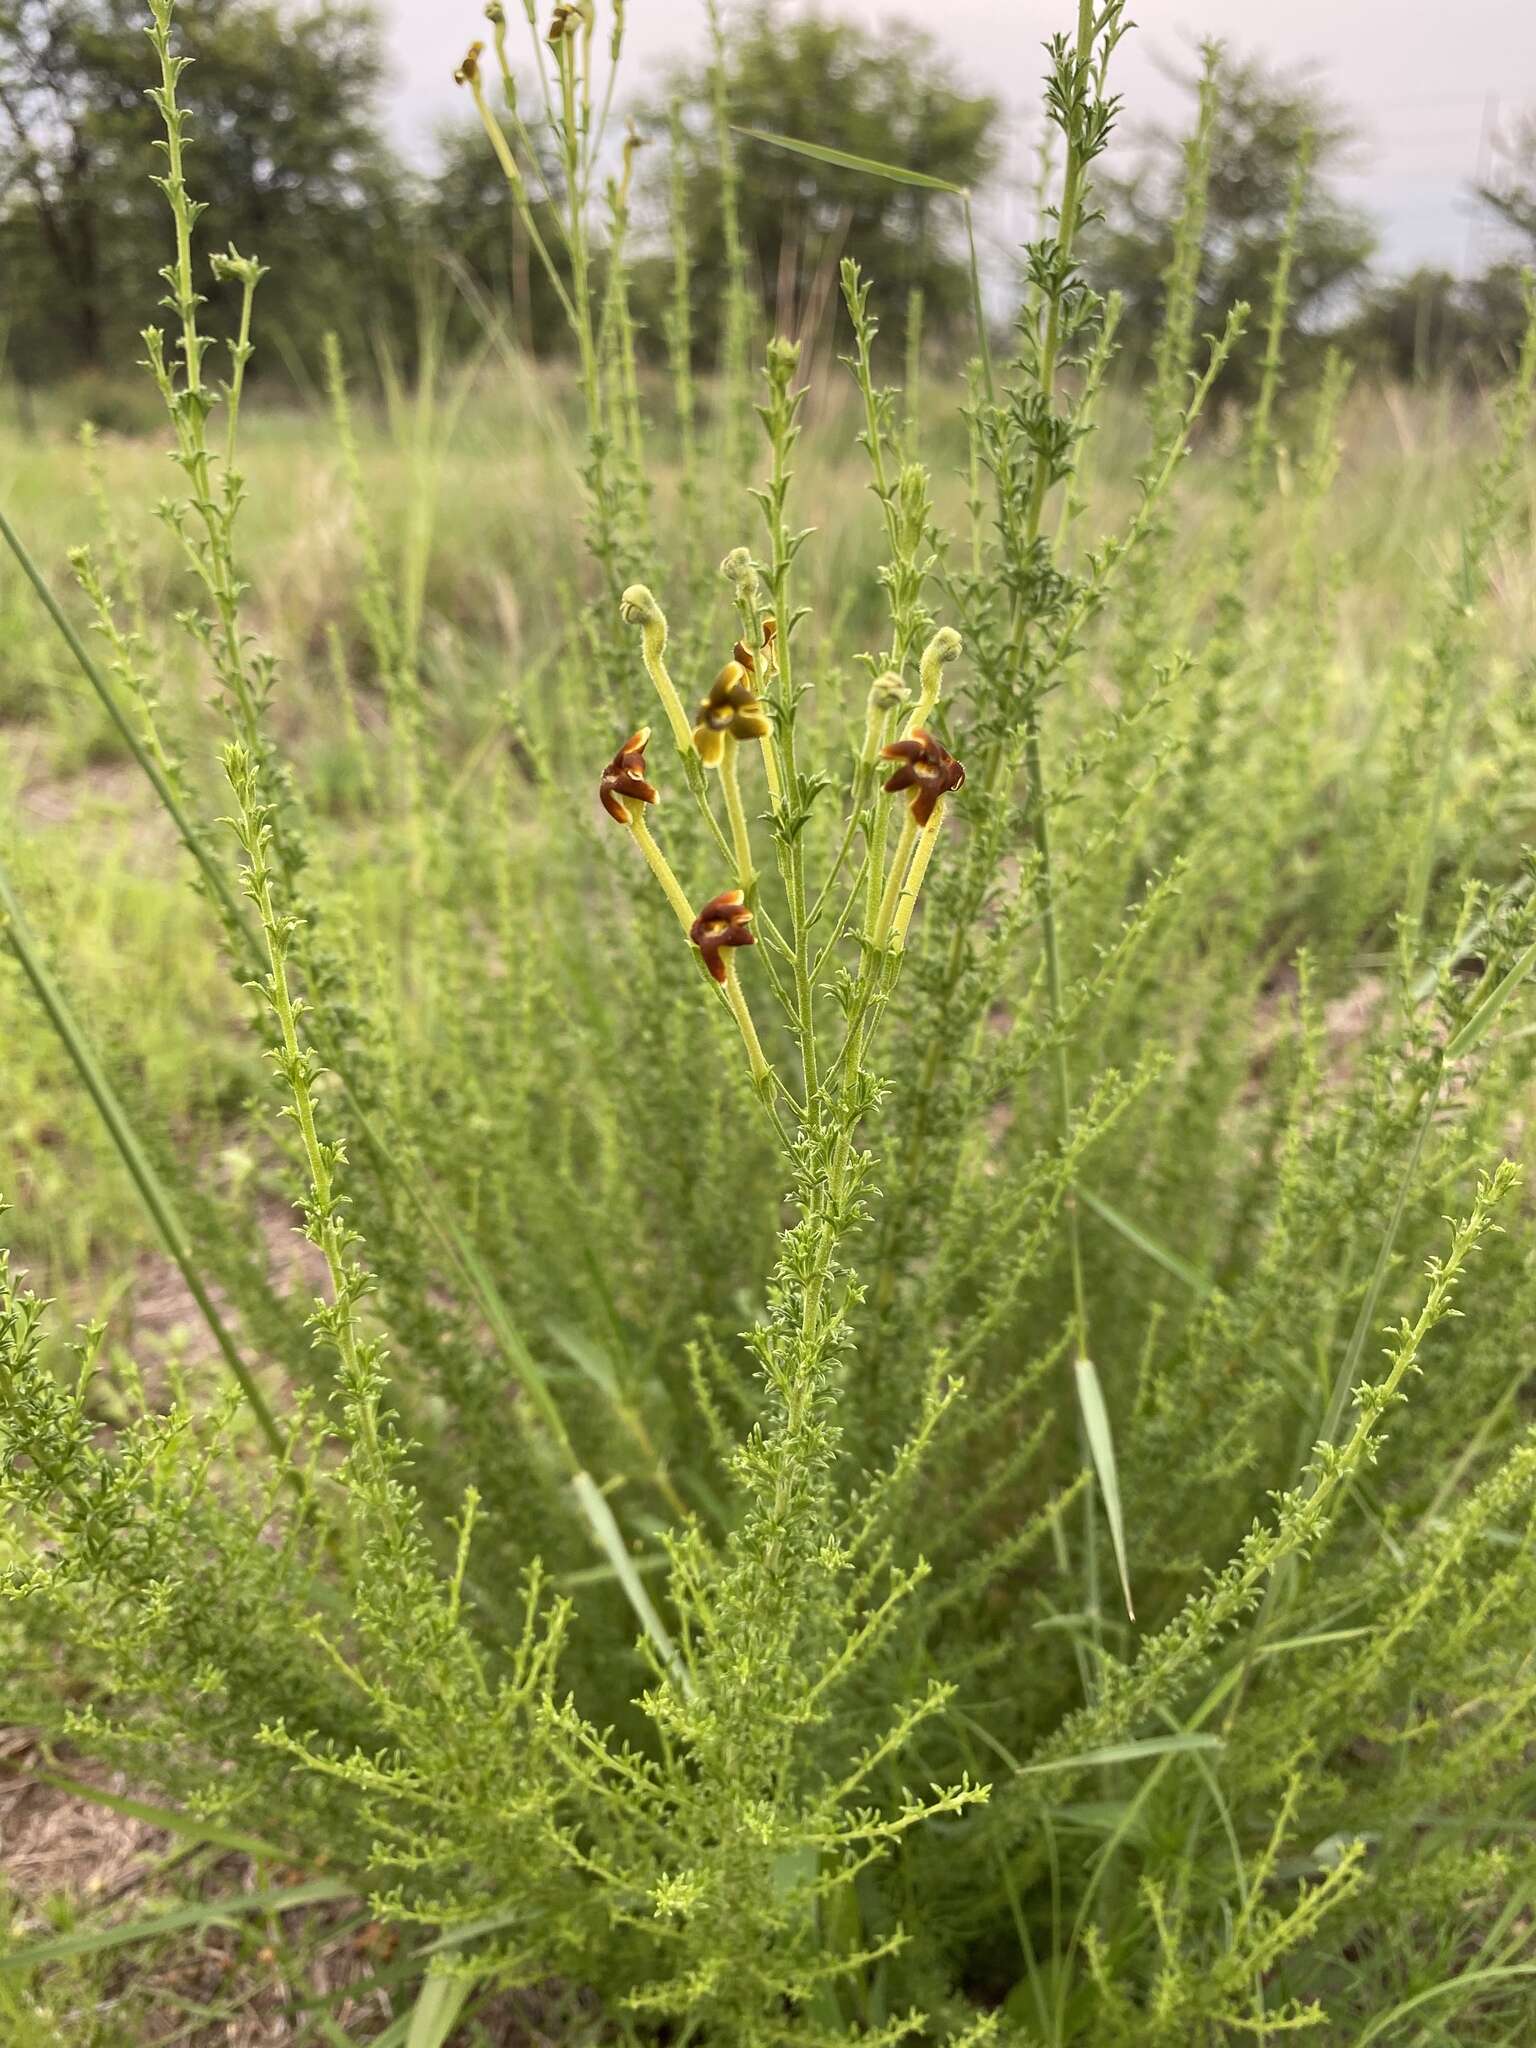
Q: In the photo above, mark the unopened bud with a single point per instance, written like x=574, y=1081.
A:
x=637, y=607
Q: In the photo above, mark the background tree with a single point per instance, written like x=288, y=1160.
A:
x=289, y=153
x=1510, y=195
x=1264, y=120
x=1433, y=324
x=888, y=96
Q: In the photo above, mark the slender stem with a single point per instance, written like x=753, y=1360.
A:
x=915, y=875
x=879, y=931
x=738, y=1002
x=653, y=645
x=661, y=868
x=741, y=838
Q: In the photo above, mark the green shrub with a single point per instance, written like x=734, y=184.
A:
x=788, y=1288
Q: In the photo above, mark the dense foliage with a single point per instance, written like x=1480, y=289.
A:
x=911, y=1416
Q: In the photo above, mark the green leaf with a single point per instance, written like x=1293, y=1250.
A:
x=472, y=1930
x=174, y=1823
x=610, y=1540
x=153, y=1192
x=1101, y=1448
x=1478, y=1025
x=588, y=1358
x=211, y=1913
x=1124, y=1753
x=843, y=160
x=438, y=2005
x=1465, y=1982
x=1133, y=1234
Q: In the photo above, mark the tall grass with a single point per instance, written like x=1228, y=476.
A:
x=890, y=1440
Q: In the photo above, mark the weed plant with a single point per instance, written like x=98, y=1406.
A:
x=914, y=1422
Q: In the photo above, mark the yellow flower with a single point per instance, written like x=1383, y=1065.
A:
x=733, y=707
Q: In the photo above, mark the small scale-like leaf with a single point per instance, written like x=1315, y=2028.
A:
x=844, y=160
x=1101, y=1448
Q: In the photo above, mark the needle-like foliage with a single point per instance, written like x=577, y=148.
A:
x=912, y=1422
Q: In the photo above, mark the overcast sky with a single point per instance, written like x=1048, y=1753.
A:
x=1430, y=81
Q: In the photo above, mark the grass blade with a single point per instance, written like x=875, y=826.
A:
x=1480, y=1023
x=190, y=837
x=844, y=160
x=1101, y=1447
x=166, y=1817
x=210, y=1913
x=1124, y=1753
x=437, y=2008
x=1150, y=1247
x=1461, y=1984
x=610, y=1540
x=896, y=174
x=152, y=1190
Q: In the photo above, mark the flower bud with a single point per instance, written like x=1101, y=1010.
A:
x=942, y=649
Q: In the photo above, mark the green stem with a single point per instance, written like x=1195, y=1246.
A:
x=916, y=873
x=661, y=868
x=761, y=1071
x=879, y=931
x=741, y=838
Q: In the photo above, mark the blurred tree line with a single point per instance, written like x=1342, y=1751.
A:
x=295, y=161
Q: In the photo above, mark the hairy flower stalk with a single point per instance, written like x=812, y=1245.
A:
x=723, y=923
x=637, y=607
x=624, y=794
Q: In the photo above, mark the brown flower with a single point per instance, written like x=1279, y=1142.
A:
x=625, y=777
x=928, y=769
x=742, y=652
x=723, y=922
x=733, y=707
x=563, y=22
x=468, y=72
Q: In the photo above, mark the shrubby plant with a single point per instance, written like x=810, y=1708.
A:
x=884, y=1449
